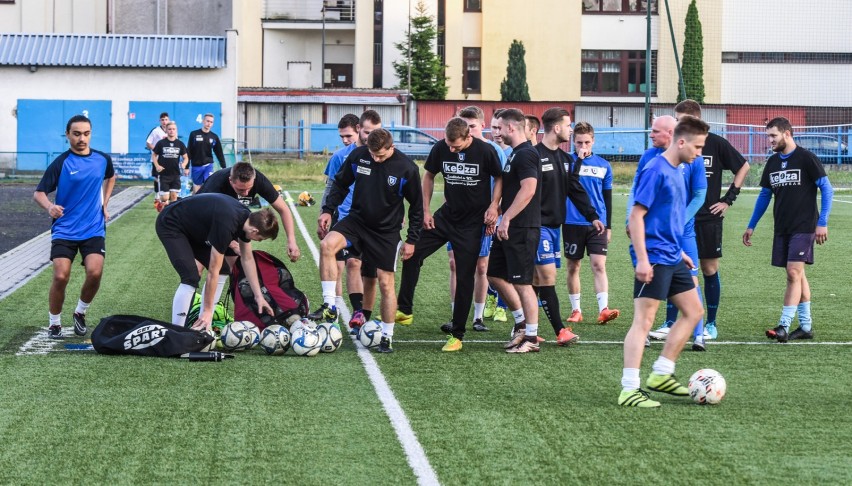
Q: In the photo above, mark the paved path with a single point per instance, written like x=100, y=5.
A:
x=24, y=262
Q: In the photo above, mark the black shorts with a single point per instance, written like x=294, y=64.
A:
x=513, y=260
x=797, y=247
x=380, y=249
x=708, y=236
x=170, y=183
x=183, y=254
x=581, y=238
x=69, y=248
x=668, y=280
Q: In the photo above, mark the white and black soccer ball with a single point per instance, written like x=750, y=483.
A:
x=707, y=387
x=275, y=340
x=370, y=334
x=305, y=341
x=236, y=336
x=212, y=345
x=302, y=322
x=255, y=334
x=331, y=337
x=292, y=319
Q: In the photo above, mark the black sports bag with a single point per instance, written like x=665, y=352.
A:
x=141, y=336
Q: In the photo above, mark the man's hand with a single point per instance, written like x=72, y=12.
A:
x=644, y=272
x=56, y=211
x=158, y=167
x=599, y=226
x=719, y=208
x=204, y=321
x=688, y=261
x=490, y=229
x=503, y=229
x=821, y=234
x=106, y=213
x=428, y=220
x=323, y=223
x=263, y=306
x=407, y=251
x=491, y=215
x=747, y=236
x=294, y=253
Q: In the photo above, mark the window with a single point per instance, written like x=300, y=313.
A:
x=471, y=78
x=788, y=57
x=618, y=6
x=615, y=73
x=473, y=5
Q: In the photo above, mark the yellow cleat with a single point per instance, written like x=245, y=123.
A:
x=453, y=344
x=403, y=319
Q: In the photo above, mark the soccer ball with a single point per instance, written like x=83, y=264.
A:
x=236, y=336
x=275, y=340
x=331, y=338
x=212, y=345
x=303, y=323
x=370, y=334
x=255, y=334
x=707, y=387
x=293, y=318
x=305, y=341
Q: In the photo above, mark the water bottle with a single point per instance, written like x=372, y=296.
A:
x=207, y=356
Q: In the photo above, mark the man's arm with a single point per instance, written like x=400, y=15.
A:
x=249, y=267
x=107, y=186
x=205, y=317
x=428, y=189
x=220, y=154
x=826, y=195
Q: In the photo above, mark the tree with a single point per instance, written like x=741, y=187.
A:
x=428, y=77
x=693, y=57
x=514, y=87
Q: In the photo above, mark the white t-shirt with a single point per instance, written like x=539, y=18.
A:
x=155, y=136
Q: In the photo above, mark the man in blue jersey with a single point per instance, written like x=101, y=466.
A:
x=656, y=226
x=83, y=179
x=793, y=175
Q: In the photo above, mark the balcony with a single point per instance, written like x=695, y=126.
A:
x=334, y=11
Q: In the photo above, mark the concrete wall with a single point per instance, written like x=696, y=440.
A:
x=247, y=15
x=54, y=16
x=283, y=48
x=176, y=17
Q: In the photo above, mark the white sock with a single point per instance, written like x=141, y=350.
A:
x=387, y=329
x=452, y=306
x=664, y=366
x=329, y=292
x=82, y=307
x=630, y=379
x=575, y=302
x=55, y=319
x=518, y=315
x=478, y=310
x=180, y=303
x=603, y=301
x=531, y=330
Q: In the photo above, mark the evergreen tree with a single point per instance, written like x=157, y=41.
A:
x=428, y=78
x=693, y=57
x=514, y=87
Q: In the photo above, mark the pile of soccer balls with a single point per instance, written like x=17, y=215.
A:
x=304, y=336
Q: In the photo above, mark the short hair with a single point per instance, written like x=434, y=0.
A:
x=242, y=172
x=584, y=128
x=164, y=114
x=472, y=112
x=371, y=116
x=379, y=139
x=171, y=123
x=498, y=112
x=77, y=119
x=210, y=115
x=265, y=222
x=533, y=121
x=689, y=107
x=513, y=116
x=457, y=129
x=690, y=126
x=348, y=120
x=551, y=117
x=781, y=123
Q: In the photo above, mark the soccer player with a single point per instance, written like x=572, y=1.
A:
x=83, y=179
x=203, y=143
x=511, y=264
x=155, y=135
x=384, y=177
x=170, y=160
x=595, y=174
x=531, y=126
x=467, y=165
x=719, y=155
x=495, y=308
x=656, y=225
x=200, y=229
x=793, y=175
x=559, y=183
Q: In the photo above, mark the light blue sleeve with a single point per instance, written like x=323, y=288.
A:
x=698, y=184
x=760, y=206
x=696, y=202
x=826, y=195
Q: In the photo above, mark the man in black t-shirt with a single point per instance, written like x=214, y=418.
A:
x=467, y=165
x=793, y=175
x=203, y=143
x=719, y=155
x=510, y=267
x=170, y=161
x=384, y=177
x=199, y=229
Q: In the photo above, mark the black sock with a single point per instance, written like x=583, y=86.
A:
x=367, y=314
x=357, y=300
x=550, y=304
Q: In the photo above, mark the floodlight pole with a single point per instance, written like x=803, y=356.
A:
x=677, y=57
x=322, y=68
x=409, y=49
x=647, y=69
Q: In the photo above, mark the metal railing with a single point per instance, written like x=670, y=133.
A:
x=310, y=10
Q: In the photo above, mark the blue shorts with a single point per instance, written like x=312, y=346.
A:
x=200, y=174
x=549, y=247
x=690, y=247
x=484, y=247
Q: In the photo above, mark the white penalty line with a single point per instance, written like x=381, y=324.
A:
x=709, y=343
x=414, y=452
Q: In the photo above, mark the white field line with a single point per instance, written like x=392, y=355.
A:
x=841, y=200
x=414, y=452
x=709, y=343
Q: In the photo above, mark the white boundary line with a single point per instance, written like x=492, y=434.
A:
x=414, y=452
x=709, y=343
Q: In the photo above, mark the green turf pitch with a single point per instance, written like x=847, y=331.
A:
x=482, y=416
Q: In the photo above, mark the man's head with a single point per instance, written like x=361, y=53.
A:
x=584, y=139
x=369, y=121
x=557, y=121
x=662, y=131
x=475, y=119
x=347, y=128
x=208, y=122
x=242, y=178
x=78, y=131
x=495, y=129
x=688, y=107
x=511, y=127
x=164, y=120
x=380, y=145
x=171, y=130
x=531, y=126
x=689, y=136
x=779, y=132
x=457, y=135
x=262, y=225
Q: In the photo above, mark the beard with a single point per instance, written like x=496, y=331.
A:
x=780, y=146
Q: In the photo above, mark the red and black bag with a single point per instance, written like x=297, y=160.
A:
x=277, y=286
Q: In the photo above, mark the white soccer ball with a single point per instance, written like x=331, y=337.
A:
x=331, y=338
x=275, y=340
x=302, y=322
x=305, y=341
x=293, y=318
x=212, y=345
x=707, y=387
x=255, y=334
x=236, y=336
x=370, y=334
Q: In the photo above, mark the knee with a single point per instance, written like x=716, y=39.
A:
x=481, y=267
x=61, y=277
x=794, y=275
x=452, y=264
x=94, y=273
x=599, y=267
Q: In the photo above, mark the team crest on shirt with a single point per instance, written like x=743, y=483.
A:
x=391, y=180
x=461, y=156
x=783, y=164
